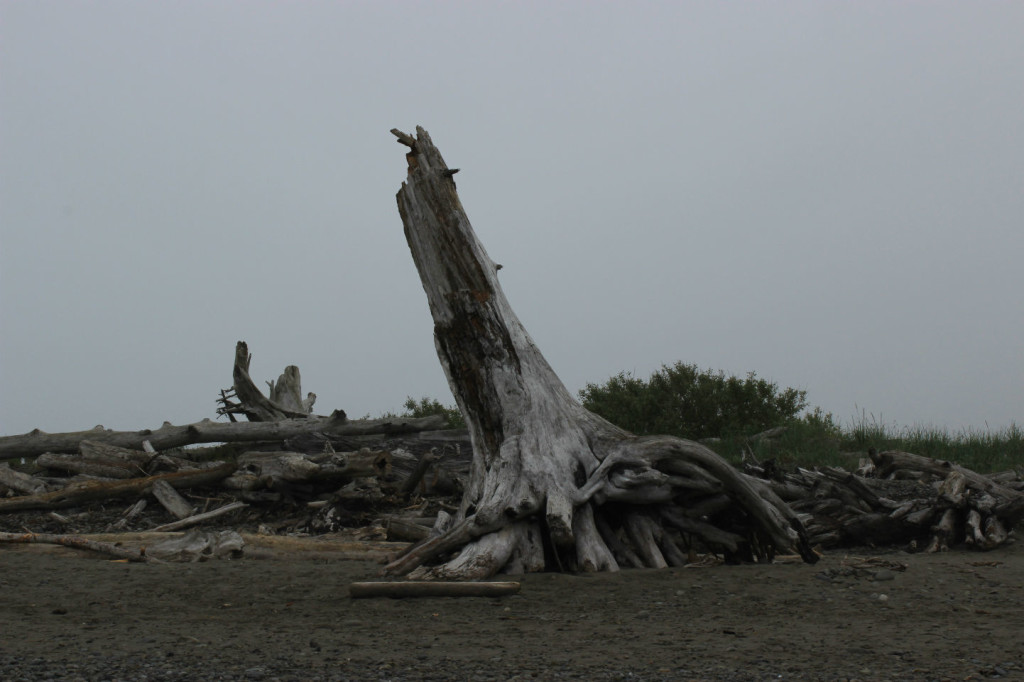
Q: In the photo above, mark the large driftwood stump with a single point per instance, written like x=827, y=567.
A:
x=553, y=485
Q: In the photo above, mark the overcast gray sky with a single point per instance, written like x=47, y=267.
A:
x=829, y=194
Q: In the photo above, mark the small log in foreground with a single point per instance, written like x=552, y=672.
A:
x=430, y=588
x=76, y=543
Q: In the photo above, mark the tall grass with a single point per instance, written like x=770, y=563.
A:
x=983, y=451
x=817, y=440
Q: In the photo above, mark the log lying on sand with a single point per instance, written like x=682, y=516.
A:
x=75, y=542
x=410, y=589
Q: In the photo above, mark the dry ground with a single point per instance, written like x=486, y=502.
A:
x=956, y=615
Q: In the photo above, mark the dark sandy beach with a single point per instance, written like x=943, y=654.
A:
x=956, y=615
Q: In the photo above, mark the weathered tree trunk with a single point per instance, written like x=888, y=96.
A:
x=551, y=483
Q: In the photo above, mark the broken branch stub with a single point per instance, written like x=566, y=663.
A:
x=549, y=478
x=285, y=401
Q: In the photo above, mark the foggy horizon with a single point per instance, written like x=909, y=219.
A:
x=828, y=195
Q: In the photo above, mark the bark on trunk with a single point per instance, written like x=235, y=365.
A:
x=551, y=483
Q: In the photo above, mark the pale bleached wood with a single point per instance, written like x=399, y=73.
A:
x=171, y=500
x=540, y=460
x=201, y=518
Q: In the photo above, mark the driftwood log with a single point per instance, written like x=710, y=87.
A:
x=199, y=545
x=258, y=470
x=196, y=519
x=410, y=589
x=90, y=490
x=552, y=484
x=169, y=436
x=166, y=495
x=75, y=542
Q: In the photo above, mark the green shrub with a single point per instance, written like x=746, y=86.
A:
x=685, y=401
x=426, y=407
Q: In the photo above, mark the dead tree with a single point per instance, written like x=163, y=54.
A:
x=284, y=402
x=552, y=484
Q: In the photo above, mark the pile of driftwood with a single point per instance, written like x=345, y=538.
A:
x=328, y=465
x=893, y=498
x=319, y=461
x=899, y=498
